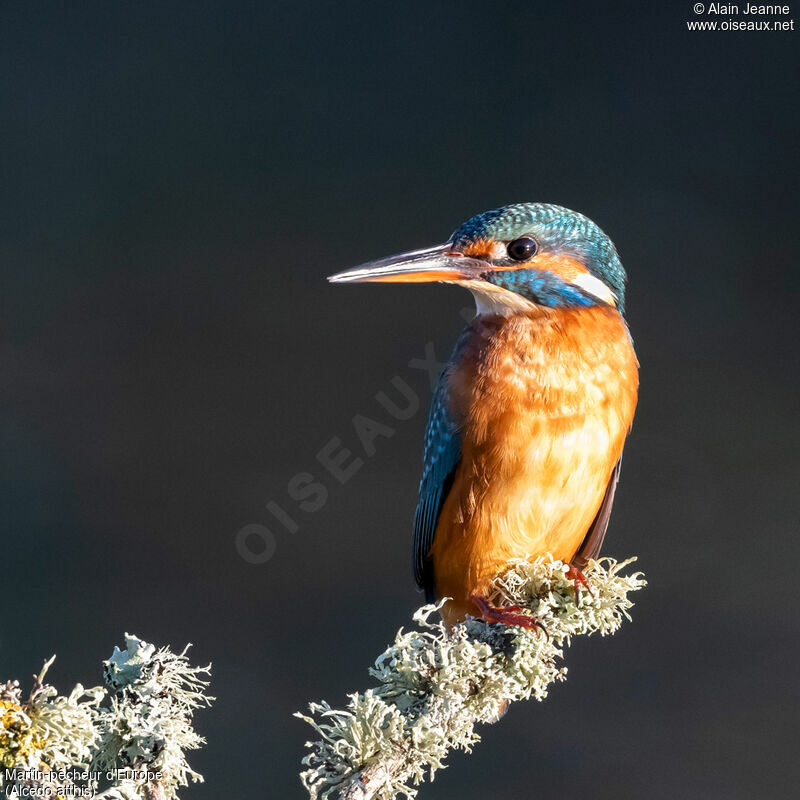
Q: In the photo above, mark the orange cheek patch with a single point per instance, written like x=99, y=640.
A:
x=565, y=267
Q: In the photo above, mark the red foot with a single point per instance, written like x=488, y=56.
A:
x=507, y=615
x=578, y=579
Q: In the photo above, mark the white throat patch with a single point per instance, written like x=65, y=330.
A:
x=491, y=299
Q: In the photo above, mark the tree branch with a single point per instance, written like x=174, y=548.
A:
x=435, y=684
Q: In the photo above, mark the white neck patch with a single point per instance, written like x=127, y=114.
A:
x=595, y=287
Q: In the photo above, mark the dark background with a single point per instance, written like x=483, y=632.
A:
x=177, y=182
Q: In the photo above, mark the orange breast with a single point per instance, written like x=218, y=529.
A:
x=544, y=402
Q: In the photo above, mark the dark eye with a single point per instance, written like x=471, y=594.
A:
x=522, y=249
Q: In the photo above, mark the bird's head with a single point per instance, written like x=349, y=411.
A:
x=512, y=259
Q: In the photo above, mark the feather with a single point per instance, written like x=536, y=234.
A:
x=593, y=541
x=441, y=457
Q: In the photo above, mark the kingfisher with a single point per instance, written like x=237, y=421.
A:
x=527, y=424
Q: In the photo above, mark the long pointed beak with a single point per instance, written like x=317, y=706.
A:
x=440, y=263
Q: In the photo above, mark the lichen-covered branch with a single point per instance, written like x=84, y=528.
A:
x=434, y=685
x=124, y=741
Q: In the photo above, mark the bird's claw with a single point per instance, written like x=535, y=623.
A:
x=578, y=579
x=507, y=615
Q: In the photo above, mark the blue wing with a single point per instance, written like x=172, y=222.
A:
x=441, y=456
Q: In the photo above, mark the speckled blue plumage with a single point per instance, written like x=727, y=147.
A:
x=559, y=230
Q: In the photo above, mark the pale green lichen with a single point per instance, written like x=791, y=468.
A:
x=435, y=684
x=126, y=741
x=155, y=695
